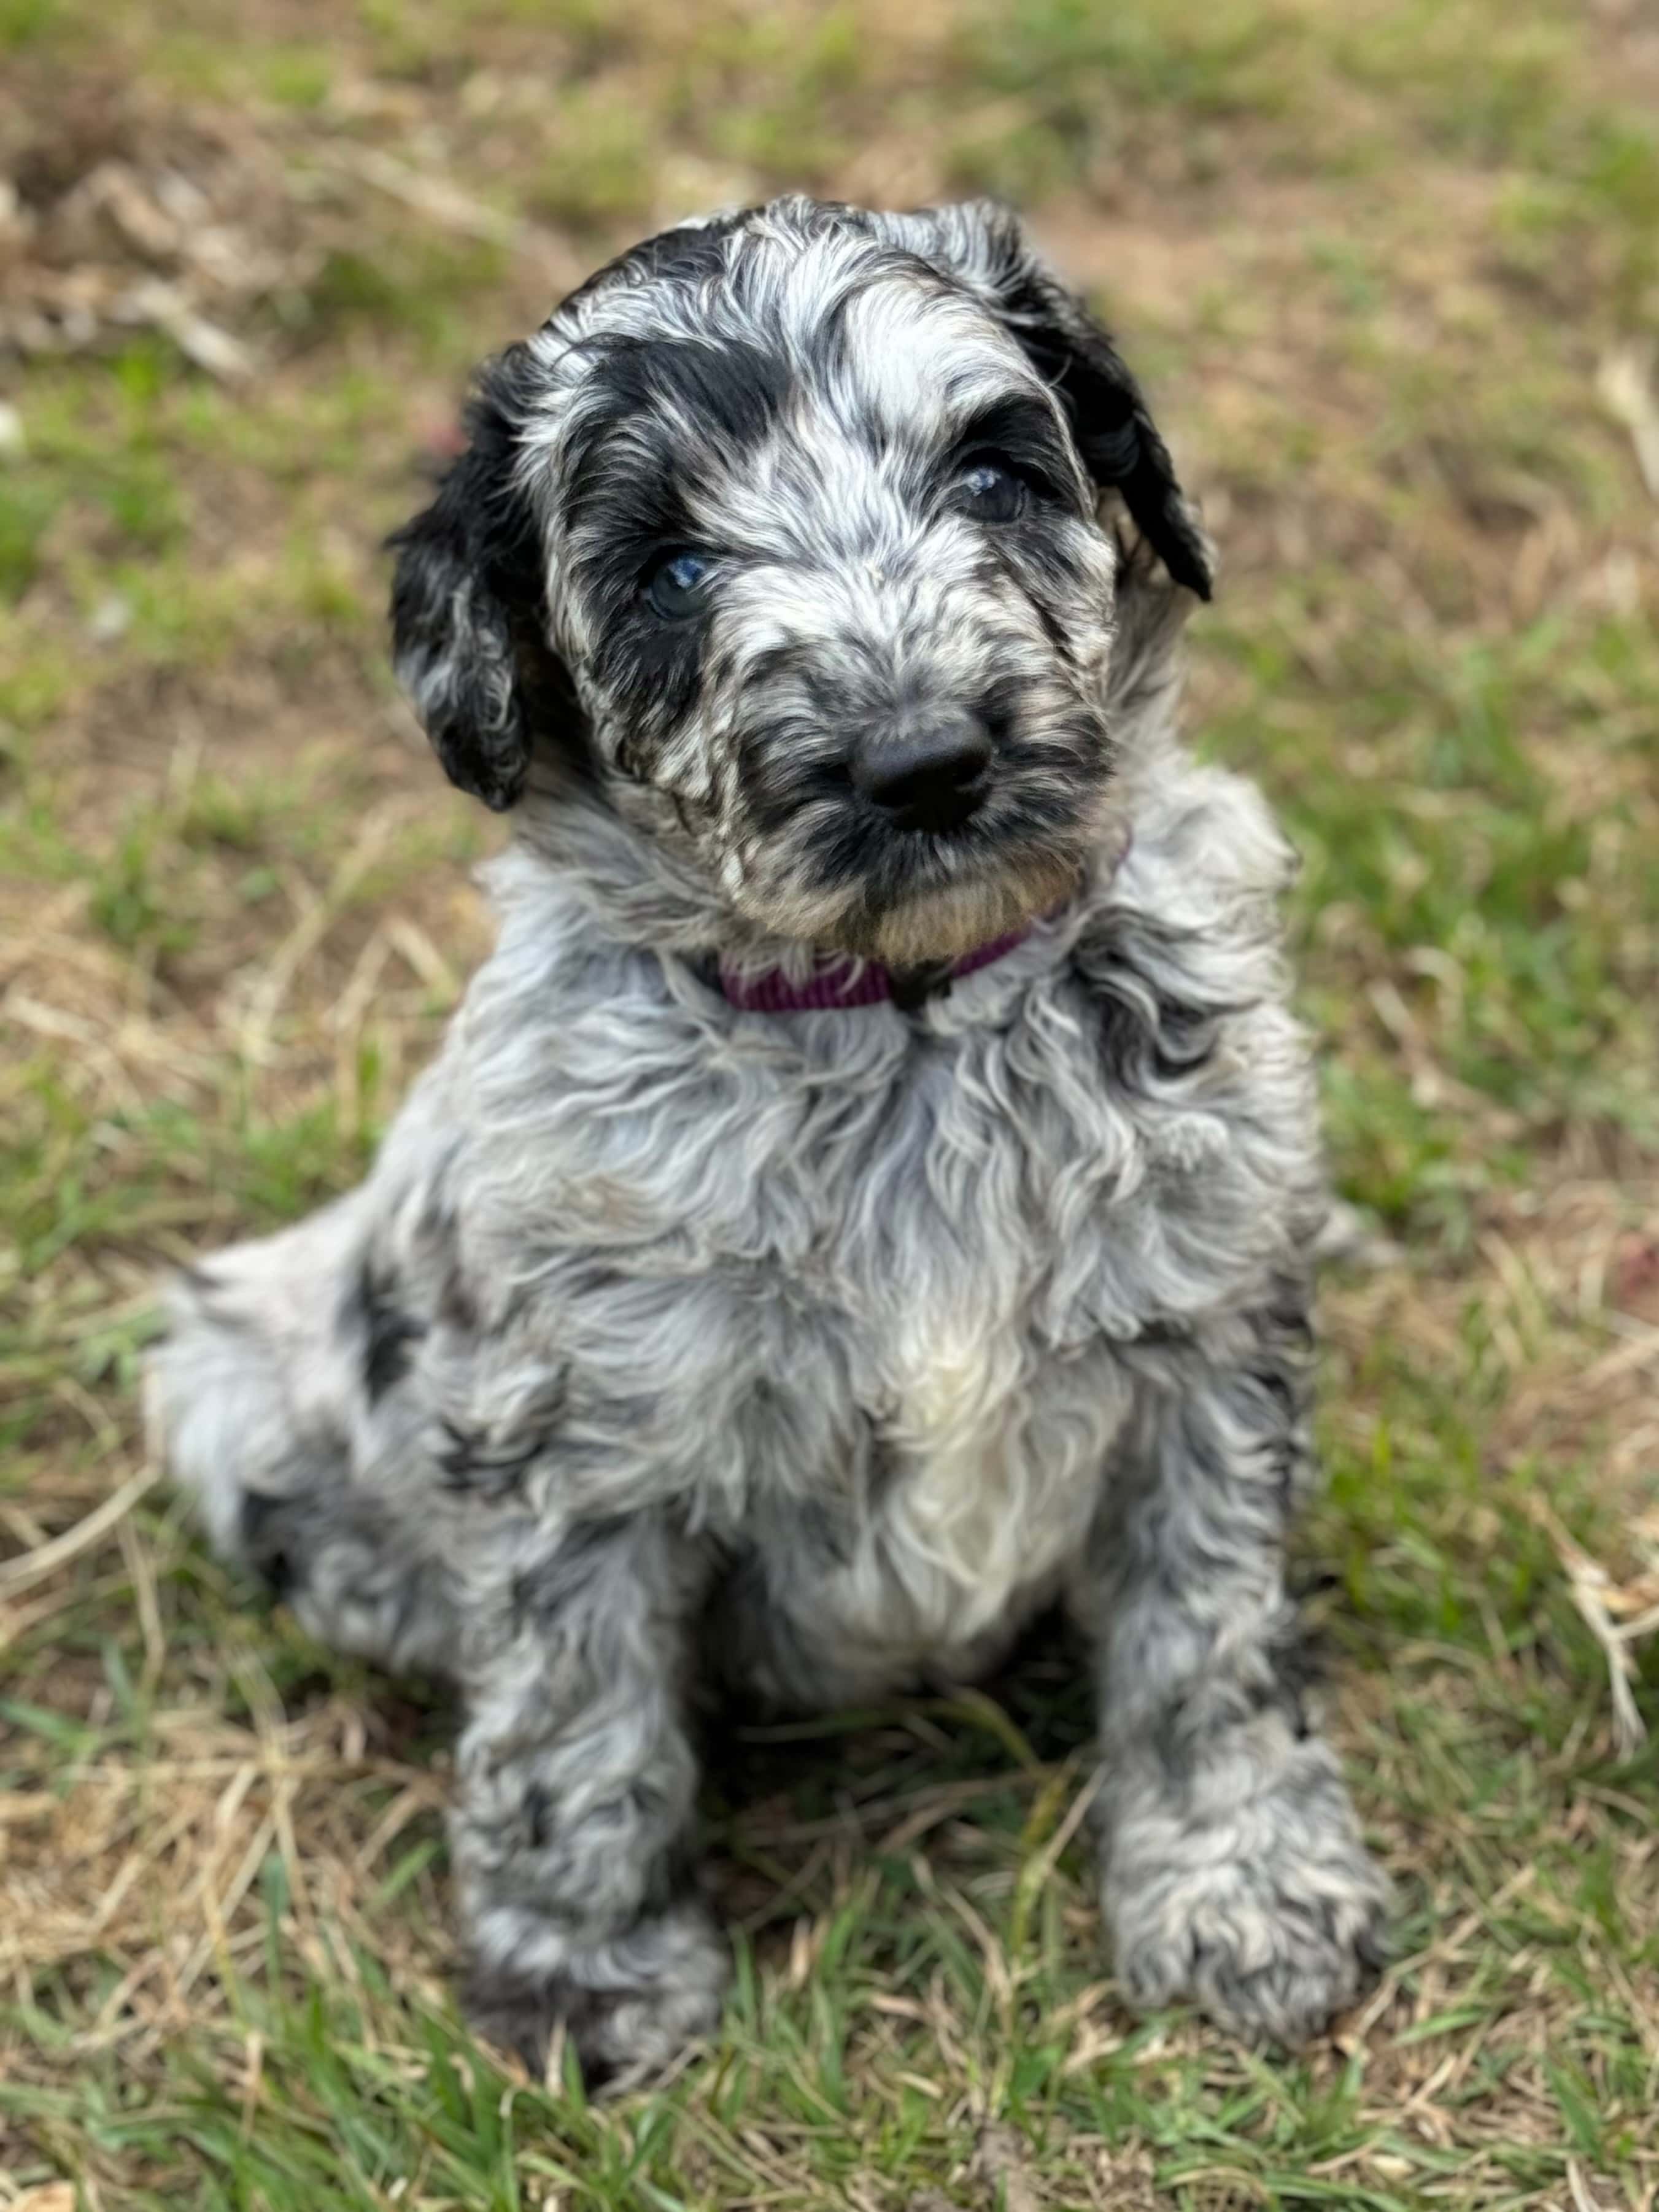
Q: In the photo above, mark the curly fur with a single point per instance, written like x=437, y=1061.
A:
x=666, y=1341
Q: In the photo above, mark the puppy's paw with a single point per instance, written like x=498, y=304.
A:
x=1272, y=1919
x=630, y=2006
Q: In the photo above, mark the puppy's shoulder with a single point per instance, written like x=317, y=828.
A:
x=1206, y=1076
x=1205, y=862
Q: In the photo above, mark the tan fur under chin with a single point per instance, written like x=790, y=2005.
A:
x=951, y=923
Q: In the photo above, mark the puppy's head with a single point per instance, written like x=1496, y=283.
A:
x=785, y=527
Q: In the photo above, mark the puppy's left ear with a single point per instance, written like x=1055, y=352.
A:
x=469, y=605
x=983, y=246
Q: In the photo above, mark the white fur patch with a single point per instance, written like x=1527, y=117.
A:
x=978, y=1516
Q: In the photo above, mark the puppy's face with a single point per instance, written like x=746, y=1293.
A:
x=803, y=506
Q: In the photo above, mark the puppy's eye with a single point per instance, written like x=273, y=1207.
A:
x=678, y=586
x=991, y=493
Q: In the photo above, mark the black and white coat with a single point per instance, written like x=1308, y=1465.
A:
x=817, y=1349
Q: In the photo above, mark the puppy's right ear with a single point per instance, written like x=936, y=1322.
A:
x=469, y=601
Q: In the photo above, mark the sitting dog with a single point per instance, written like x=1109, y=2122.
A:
x=869, y=1193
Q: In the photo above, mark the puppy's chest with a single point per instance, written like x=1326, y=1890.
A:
x=981, y=1405
x=988, y=1450
x=885, y=1283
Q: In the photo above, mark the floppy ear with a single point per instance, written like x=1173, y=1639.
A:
x=983, y=246
x=469, y=606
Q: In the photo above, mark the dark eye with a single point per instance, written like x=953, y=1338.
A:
x=992, y=493
x=678, y=586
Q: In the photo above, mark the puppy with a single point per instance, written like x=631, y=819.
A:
x=869, y=1193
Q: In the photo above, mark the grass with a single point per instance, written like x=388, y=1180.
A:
x=1371, y=258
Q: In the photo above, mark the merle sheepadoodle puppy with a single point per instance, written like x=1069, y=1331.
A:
x=870, y=1191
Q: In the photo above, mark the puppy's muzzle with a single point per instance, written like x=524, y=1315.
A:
x=931, y=774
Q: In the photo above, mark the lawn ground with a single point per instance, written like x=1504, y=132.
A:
x=1391, y=269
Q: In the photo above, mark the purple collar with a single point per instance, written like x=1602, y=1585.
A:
x=839, y=982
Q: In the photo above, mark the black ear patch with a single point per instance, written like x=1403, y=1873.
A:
x=469, y=613
x=983, y=245
x=1115, y=434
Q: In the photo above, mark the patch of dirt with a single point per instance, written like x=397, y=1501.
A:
x=121, y=210
x=118, y=212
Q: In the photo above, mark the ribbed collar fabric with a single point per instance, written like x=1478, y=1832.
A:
x=839, y=982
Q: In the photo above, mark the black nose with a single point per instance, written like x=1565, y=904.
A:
x=931, y=776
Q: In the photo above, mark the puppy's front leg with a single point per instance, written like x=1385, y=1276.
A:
x=1232, y=1867
x=572, y=1830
